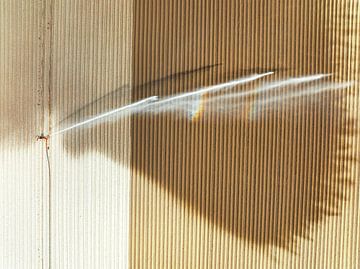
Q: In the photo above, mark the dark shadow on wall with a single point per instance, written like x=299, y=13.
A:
x=269, y=179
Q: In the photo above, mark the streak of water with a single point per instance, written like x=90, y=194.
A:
x=144, y=105
x=191, y=102
x=268, y=103
x=110, y=113
x=276, y=85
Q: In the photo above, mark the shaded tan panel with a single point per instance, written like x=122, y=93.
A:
x=23, y=242
x=90, y=74
x=278, y=188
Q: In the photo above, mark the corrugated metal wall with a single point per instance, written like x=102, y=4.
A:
x=63, y=61
x=90, y=73
x=21, y=110
x=236, y=191
x=251, y=190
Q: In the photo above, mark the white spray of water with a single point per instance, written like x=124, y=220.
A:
x=268, y=103
x=191, y=101
x=144, y=105
x=110, y=113
x=214, y=88
x=276, y=85
x=327, y=87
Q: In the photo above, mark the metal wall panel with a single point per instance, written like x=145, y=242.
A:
x=278, y=189
x=21, y=156
x=63, y=61
x=90, y=73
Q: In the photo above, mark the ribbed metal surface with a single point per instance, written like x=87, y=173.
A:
x=278, y=189
x=21, y=157
x=90, y=73
x=57, y=59
x=234, y=191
